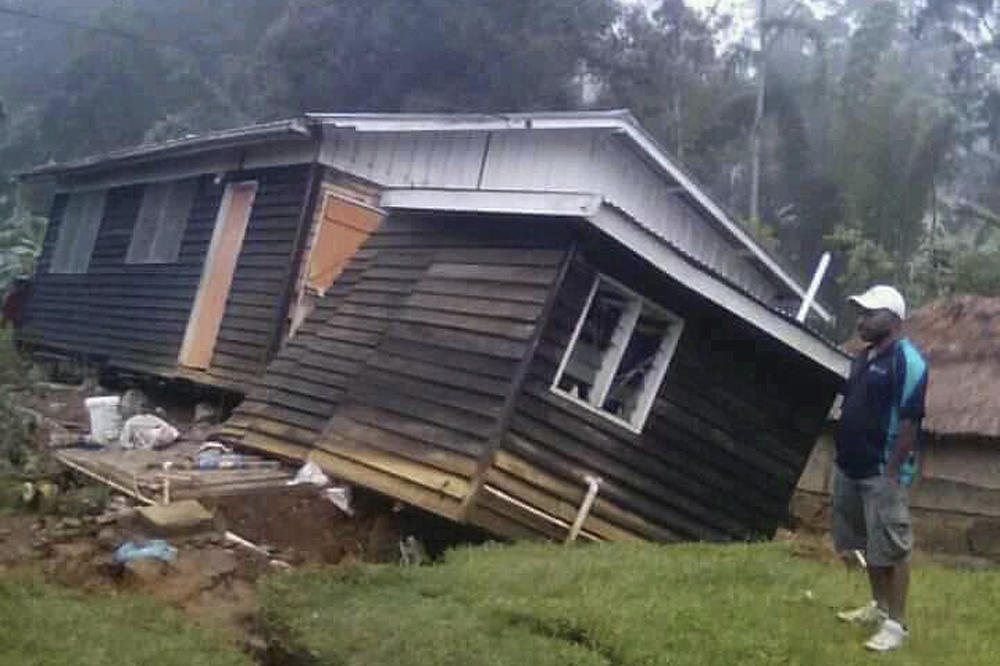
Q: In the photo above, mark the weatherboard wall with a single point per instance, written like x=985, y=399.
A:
x=718, y=458
x=400, y=378
x=134, y=316
x=405, y=379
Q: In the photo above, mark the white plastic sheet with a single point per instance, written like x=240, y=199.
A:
x=147, y=431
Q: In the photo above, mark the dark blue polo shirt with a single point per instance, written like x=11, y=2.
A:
x=881, y=391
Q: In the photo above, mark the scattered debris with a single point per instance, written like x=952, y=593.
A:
x=217, y=459
x=310, y=473
x=147, y=431
x=249, y=545
x=155, y=549
x=412, y=552
x=340, y=496
x=105, y=421
x=184, y=517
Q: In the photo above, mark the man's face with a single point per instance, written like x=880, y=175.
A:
x=876, y=325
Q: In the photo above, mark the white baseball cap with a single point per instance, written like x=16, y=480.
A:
x=882, y=297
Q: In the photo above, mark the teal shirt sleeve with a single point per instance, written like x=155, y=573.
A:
x=909, y=400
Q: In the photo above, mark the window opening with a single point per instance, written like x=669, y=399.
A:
x=619, y=353
x=81, y=220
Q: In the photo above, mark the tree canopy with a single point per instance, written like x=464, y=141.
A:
x=877, y=136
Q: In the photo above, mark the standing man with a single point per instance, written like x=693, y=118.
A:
x=877, y=459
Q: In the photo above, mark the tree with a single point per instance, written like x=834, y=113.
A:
x=431, y=55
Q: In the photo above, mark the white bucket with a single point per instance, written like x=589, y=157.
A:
x=105, y=421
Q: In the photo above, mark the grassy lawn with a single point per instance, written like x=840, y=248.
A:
x=620, y=604
x=47, y=626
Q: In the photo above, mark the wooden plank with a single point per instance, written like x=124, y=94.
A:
x=469, y=305
x=296, y=401
x=499, y=525
x=465, y=400
x=497, y=291
x=696, y=503
x=486, y=272
x=501, y=328
x=517, y=467
x=386, y=483
x=536, y=524
x=633, y=467
x=280, y=431
x=418, y=349
x=711, y=435
x=503, y=257
x=557, y=506
x=355, y=433
x=423, y=410
x=285, y=415
x=414, y=429
x=665, y=515
x=275, y=446
x=436, y=373
x=459, y=340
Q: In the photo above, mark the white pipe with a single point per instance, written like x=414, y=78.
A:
x=593, y=485
x=496, y=492
x=807, y=300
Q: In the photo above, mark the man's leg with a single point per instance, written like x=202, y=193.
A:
x=878, y=579
x=898, y=581
x=890, y=539
x=850, y=534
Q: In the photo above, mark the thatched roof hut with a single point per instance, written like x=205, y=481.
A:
x=960, y=337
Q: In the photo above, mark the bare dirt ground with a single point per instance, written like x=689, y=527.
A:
x=212, y=579
x=69, y=539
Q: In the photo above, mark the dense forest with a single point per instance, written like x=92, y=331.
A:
x=866, y=127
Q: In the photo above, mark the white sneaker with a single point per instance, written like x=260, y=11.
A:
x=889, y=637
x=870, y=614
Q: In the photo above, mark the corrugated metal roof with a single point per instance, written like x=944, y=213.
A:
x=408, y=128
x=295, y=128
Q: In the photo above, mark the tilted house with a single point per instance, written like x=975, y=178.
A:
x=494, y=316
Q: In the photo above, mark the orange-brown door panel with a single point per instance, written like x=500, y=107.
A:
x=343, y=227
x=217, y=275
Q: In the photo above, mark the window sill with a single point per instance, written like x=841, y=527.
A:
x=610, y=418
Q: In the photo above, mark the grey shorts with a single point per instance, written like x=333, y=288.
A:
x=872, y=515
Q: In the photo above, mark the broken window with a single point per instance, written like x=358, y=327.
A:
x=159, y=228
x=81, y=220
x=618, y=355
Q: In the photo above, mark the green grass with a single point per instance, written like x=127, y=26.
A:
x=620, y=604
x=47, y=626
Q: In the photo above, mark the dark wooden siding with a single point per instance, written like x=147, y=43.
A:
x=719, y=456
x=397, y=381
x=263, y=268
x=135, y=316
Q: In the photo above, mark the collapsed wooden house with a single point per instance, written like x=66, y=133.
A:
x=490, y=317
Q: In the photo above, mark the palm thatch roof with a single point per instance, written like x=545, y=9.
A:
x=960, y=337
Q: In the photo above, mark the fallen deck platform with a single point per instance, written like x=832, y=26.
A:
x=159, y=477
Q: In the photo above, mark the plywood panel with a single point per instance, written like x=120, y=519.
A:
x=220, y=266
x=343, y=227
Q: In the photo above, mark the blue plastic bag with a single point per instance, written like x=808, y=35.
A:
x=156, y=549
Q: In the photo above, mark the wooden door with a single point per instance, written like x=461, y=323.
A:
x=343, y=227
x=217, y=275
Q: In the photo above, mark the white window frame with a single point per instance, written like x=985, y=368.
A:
x=155, y=228
x=611, y=361
x=81, y=223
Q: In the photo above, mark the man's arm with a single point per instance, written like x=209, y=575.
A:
x=906, y=443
